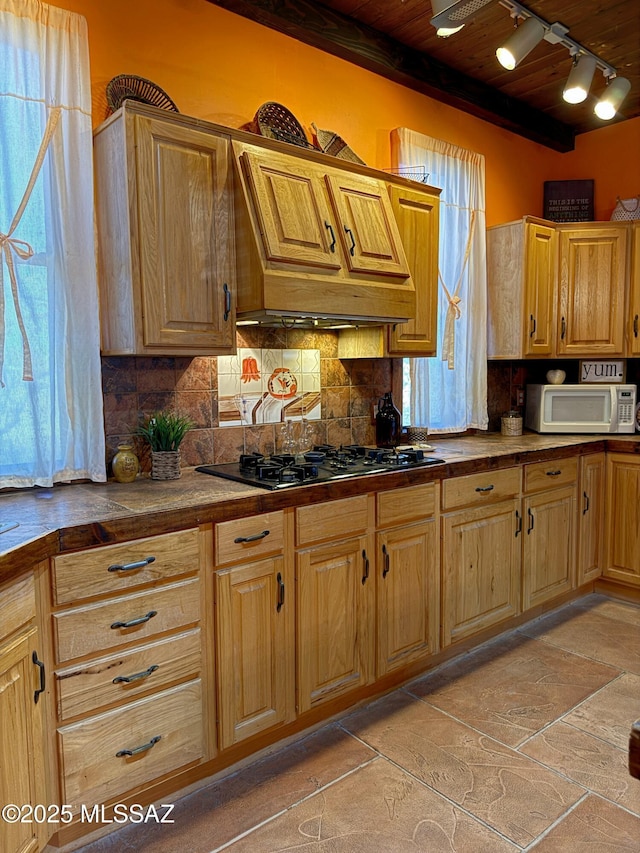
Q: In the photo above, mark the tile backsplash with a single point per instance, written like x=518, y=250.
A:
x=315, y=396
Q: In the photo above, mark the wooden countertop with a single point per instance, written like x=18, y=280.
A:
x=69, y=517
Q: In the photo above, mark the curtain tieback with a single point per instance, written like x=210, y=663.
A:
x=448, y=339
x=11, y=245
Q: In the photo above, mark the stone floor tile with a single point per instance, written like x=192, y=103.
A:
x=594, y=826
x=512, y=688
x=587, y=633
x=611, y=711
x=506, y=790
x=587, y=760
x=622, y=611
x=377, y=809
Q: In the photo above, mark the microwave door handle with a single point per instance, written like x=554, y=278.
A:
x=613, y=420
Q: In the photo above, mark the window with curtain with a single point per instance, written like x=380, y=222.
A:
x=448, y=393
x=51, y=423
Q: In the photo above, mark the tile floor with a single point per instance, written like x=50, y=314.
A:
x=518, y=745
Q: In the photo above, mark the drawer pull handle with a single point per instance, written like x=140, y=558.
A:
x=130, y=567
x=41, y=689
x=519, y=520
x=133, y=622
x=586, y=503
x=227, y=301
x=352, y=247
x=254, y=538
x=531, y=521
x=387, y=561
x=484, y=488
x=554, y=473
x=332, y=245
x=127, y=679
x=138, y=749
x=365, y=574
x=280, y=592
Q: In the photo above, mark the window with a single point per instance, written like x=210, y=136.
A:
x=51, y=425
x=448, y=393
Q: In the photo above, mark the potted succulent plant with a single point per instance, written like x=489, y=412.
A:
x=163, y=432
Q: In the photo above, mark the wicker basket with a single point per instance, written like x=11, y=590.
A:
x=165, y=465
x=511, y=424
x=128, y=87
x=277, y=122
x=417, y=435
x=332, y=144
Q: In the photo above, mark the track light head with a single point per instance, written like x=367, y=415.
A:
x=579, y=80
x=520, y=44
x=612, y=98
x=450, y=16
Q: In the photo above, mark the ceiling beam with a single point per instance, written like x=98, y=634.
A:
x=361, y=45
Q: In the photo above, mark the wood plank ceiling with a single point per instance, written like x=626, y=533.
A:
x=395, y=38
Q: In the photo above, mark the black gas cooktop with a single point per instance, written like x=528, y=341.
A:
x=322, y=464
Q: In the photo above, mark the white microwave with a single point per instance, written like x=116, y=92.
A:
x=581, y=408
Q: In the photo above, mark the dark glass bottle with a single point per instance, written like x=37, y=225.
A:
x=388, y=422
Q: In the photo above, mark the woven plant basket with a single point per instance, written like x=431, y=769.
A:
x=165, y=465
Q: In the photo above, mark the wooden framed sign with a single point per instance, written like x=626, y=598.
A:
x=602, y=370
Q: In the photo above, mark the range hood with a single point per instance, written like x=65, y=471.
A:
x=317, y=244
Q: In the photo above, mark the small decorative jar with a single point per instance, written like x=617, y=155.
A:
x=125, y=464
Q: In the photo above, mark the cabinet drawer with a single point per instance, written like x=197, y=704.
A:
x=332, y=520
x=400, y=506
x=249, y=539
x=17, y=604
x=478, y=489
x=92, y=769
x=546, y=475
x=95, y=572
x=96, y=627
x=127, y=675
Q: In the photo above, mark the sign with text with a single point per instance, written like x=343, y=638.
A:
x=602, y=371
x=568, y=201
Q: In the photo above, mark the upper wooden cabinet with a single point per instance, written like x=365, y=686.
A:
x=633, y=324
x=165, y=235
x=316, y=240
x=521, y=266
x=556, y=289
x=592, y=280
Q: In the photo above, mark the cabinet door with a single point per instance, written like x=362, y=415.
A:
x=366, y=224
x=592, y=288
x=185, y=227
x=21, y=739
x=417, y=216
x=408, y=600
x=622, y=561
x=254, y=645
x=548, y=554
x=290, y=202
x=335, y=635
x=540, y=265
x=591, y=515
x=634, y=312
x=480, y=568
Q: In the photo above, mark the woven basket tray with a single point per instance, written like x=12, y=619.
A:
x=128, y=87
x=277, y=122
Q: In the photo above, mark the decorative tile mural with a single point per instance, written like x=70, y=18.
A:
x=262, y=386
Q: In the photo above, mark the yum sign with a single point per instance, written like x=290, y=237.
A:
x=602, y=371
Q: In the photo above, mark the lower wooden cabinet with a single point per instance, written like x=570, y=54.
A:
x=622, y=559
x=549, y=514
x=480, y=568
x=21, y=708
x=335, y=620
x=591, y=517
x=255, y=649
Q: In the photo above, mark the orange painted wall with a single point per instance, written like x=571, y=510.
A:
x=221, y=67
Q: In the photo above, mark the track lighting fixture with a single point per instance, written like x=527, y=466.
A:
x=449, y=16
x=612, y=98
x=579, y=80
x=520, y=44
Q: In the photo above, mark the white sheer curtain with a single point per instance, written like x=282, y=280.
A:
x=51, y=423
x=448, y=393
